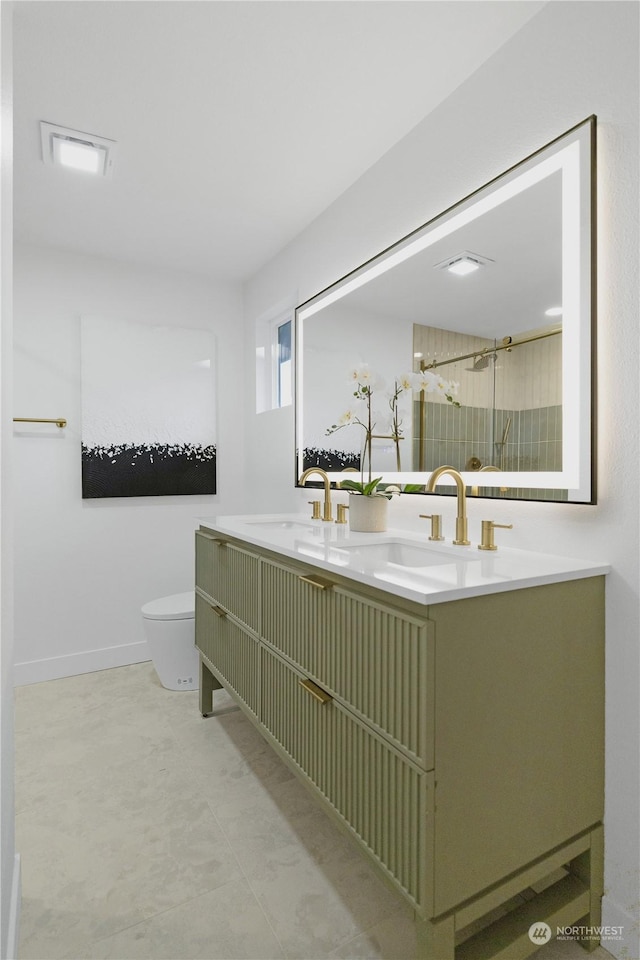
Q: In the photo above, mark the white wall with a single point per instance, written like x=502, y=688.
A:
x=84, y=568
x=9, y=862
x=570, y=60
x=339, y=340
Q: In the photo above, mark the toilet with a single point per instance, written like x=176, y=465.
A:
x=169, y=625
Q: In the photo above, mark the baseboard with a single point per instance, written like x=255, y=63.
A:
x=54, y=668
x=626, y=928
x=13, y=930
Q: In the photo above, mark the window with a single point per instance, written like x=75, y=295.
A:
x=284, y=367
x=274, y=358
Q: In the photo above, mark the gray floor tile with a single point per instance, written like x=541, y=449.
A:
x=149, y=833
x=224, y=923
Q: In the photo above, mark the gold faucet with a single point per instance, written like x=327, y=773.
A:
x=490, y=467
x=327, y=515
x=461, y=519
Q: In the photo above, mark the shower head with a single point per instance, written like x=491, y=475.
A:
x=481, y=362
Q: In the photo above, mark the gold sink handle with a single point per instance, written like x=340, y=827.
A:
x=488, y=526
x=436, y=524
x=315, y=509
x=342, y=512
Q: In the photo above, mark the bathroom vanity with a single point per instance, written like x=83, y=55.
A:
x=445, y=706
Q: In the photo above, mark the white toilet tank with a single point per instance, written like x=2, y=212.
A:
x=169, y=625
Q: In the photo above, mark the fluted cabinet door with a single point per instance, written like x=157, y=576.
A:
x=229, y=575
x=382, y=796
x=374, y=656
x=231, y=651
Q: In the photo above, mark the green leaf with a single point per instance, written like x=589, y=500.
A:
x=354, y=485
x=366, y=489
x=370, y=488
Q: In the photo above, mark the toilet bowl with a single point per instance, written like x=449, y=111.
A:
x=169, y=625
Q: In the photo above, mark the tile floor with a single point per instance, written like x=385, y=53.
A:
x=148, y=832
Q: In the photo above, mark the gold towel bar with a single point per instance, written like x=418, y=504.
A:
x=59, y=421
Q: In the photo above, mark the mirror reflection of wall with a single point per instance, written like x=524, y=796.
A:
x=342, y=339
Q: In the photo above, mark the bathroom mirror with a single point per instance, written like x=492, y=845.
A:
x=481, y=324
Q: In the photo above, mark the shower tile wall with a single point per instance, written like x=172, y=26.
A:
x=517, y=396
x=456, y=434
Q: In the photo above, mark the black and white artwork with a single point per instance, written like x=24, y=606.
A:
x=148, y=410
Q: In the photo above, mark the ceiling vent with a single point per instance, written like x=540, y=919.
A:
x=76, y=150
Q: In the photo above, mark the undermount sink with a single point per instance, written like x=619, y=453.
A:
x=398, y=552
x=279, y=524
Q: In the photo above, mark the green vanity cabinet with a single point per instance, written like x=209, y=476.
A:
x=459, y=743
x=374, y=789
x=232, y=649
x=519, y=729
x=372, y=655
x=228, y=573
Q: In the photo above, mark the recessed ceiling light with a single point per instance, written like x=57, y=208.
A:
x=418, y=356
x=463, y=266
x=553, y=312
x=463, y=263
x=79, y=151
x=78, y=154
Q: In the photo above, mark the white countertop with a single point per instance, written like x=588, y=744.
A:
x=400, y=562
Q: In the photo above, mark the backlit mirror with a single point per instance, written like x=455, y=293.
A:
x=474, y=334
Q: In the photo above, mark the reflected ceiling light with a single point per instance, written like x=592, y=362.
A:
x=463, y=263
x=463, y=266
x=418, y=356
x=79, y=151
x=553, y=312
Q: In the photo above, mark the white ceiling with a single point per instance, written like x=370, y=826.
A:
x=237, y=121
x=521, y=238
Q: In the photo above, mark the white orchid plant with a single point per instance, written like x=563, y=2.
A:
x=362, y=414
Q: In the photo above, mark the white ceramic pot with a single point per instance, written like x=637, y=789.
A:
x=367, y=514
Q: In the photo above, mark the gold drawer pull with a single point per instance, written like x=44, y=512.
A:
x=318, y=584
x=210, y=536
x=317, y=692
x=218, y=610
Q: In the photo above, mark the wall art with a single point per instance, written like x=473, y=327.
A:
x=148, y=410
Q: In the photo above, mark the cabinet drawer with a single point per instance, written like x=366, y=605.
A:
x=382, y=796
x=232, y=652
x=374, y=657
x=228, y=575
